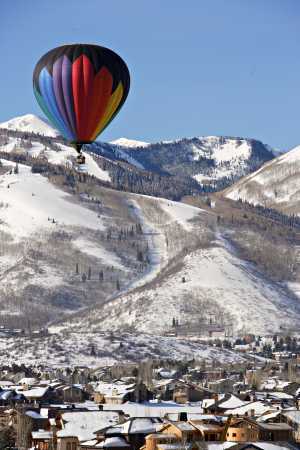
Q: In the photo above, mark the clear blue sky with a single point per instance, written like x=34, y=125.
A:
x=198, y=67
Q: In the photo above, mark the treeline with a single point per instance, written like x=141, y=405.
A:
x=292, y=221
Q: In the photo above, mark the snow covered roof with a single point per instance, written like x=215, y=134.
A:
x=293, y=415
x=269, y=416
x=184, y=426
x=258, y=408
x=232, y=402
x=83, y=424
x=164, y=373
x=117, y=389
x=5, y=383
x=28, y=380
x=34, y=415
x=207, y=402
x=90, y=443
x=136, y=425
x=37, y=392
x=280, y=395
x=113, y=442
x=42, y=434
x=151, y=409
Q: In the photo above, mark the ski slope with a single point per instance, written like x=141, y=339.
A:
x=30, y=203
x=217, y=282
x=216, y=276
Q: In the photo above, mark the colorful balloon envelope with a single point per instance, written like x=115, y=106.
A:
x=81, y=88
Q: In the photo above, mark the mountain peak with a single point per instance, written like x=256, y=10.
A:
x=124, y=142
x=30, y=123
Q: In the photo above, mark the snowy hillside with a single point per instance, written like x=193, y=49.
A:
x=56, y=153
x=196, y=274
x=212, y=160
x=50, y=239
x=149, y=260
x=274, y=185
x=31, y=198
x=108, y=349
x=31, y=124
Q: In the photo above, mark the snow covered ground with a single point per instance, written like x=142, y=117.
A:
x=130, y=143
x=92, y=349
x=32, y=124
x=65, y=156
x=218, y=277
x=30, y=203
x=275, y=184
x=94, y=249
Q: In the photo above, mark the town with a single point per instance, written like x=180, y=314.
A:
x=159, y=405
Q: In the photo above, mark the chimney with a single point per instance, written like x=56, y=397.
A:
x=183, y=416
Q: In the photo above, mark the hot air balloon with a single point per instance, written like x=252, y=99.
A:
x=81, y=88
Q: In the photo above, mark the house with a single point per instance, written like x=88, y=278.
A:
x=120, y=392
x=42, y=440
x=38, y=394
x=187, y=392
x=26, y=421
x=9, y=397
x=250, y=409
x=165, y=374
x=220, y=403
x=134, y=430
x=224, y=385
x=241, y=430
x=292, y=418
x=70, y=393
x=111, y=443
x=80, y=426
x=163, y=389
x=211, y=427
x=276, y=432
x=184, y=431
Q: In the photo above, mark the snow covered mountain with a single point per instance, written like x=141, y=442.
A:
x=51, y=237
x=129, y=143
x=177, y=264
x=31, y=124
x=212, y=161
x=275, y=185
x=204, y=163
x=196, y=274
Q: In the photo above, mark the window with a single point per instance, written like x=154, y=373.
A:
x=233, y=434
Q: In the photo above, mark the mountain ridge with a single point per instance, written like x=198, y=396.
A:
x=211, y=163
